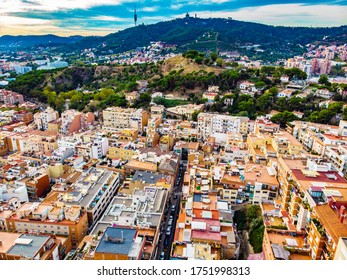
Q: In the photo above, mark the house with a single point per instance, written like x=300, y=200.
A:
x=131, y=97
x=300, y=115
x=284, y=79
x=285, y=93
x=324, y=93
x=210, y=96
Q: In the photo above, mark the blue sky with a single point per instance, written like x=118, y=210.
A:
x=101, y=17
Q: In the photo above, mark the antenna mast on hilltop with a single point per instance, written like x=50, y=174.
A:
x=135, y=17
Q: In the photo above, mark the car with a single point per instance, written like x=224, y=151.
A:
x=173, y=207
x=168, y=230
x=162, y=256
x=170, y=221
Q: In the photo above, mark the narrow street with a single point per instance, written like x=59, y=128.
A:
x=167, y=230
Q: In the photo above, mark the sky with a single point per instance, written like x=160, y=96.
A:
x=101, y=17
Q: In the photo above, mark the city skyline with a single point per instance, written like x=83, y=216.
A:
x=90, y=17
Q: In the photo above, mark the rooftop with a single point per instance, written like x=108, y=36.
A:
x=28, y=245
x=329, y=218
x=147, y=177
x=7, y=240
x=117, y=241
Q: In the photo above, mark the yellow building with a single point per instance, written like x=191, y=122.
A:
x=116, y=119
x=326, y=228
x=124, y=151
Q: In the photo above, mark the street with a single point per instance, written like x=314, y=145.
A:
x=172, y=210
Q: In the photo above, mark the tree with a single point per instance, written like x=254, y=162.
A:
x=323, y=79
x=219, y=62
x=264, y=102
x=214, y=56
x=259, y=85
x=283, y=118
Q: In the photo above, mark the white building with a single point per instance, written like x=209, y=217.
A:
x=43, y=118
x=209, y=124
x=9, y=191
x=99, y=147
x=62, y=153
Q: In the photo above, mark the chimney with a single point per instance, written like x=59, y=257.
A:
x=342, y=213
x=330, y=202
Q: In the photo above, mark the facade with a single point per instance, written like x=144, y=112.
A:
x=58, y=219
x=74, y=121
x=117, y=119
x=211, y=124
x=42, y=119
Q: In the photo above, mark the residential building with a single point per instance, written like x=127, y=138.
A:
x=74, y=121
x=213, y=125
x=50, y=218
x=341, y=250
x=117, y=119
x=15, y=246
x=92, y=190
x=42, y=119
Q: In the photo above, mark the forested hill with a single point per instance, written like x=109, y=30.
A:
x=22, y=42
x=217, y=34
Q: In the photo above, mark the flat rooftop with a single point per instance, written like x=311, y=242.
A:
x=329, y=218
x=7, y=240
x=121, y=248
x=147, y=177
x=28, y=245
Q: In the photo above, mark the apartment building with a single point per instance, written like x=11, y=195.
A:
x=116, y=119
x=261, y=183
x=337, y=155
x=122, y=150
x=327, y=226
x=74, y=121
x=265, y=126
x=23, y=116
x=16, y=246
x=50, y=218
x=37, y=185
x=302, y=183
x=92, y=190
x=10, y=98
x=42, y=119
x=11, y=190
x=185, y=130
x=115, y=243
x=62, y=153
x=203, y=229
x=341, y=250
x=143, y=210
x=152, y=137
x=211, y=124
x=285, y=144
x=284, y=245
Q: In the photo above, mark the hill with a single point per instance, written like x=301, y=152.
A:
x=21, y=42
x=219, y=34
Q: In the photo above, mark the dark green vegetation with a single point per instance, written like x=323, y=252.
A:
x=96, y=87
x=20, y=42
x=218, y=34
x=249, y=218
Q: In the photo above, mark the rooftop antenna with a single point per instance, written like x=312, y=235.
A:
x=135, y=16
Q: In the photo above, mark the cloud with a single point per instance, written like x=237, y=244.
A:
x=286, y=15
x=150, y=9
x=20, y=21
x=12, y=6
x=107, y=18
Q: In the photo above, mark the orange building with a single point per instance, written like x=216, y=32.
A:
x=56, y=219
